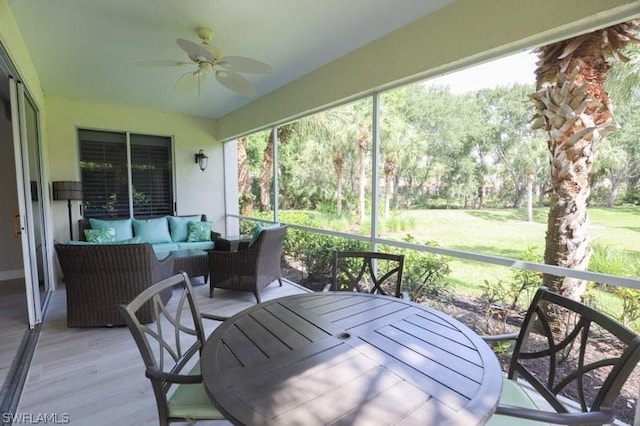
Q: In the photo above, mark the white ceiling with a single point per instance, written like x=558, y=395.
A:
x=81, y=48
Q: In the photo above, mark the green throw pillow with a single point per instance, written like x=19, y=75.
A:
x=199, y=231
x=122, y=227
x=179, y=226
x=100, y=236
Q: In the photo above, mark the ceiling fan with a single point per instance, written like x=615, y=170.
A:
x=208, y=59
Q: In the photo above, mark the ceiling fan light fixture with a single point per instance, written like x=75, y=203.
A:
x=205, y=33
x=209, y=59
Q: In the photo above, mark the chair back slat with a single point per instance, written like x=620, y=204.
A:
x=370, y=272
x=567, y=338
x=169, y=343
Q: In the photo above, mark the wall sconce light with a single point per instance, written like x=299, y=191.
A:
x=202, y=160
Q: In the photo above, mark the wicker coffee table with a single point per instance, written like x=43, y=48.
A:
x=194, y=262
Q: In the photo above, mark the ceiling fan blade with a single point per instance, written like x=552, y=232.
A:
x=241, y=64
x=235, y=82
x=159, y=63
x=190, y=80
x=195, y=50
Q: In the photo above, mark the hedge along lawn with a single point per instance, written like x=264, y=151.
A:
x=506, y=233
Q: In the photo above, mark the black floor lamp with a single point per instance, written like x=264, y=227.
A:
x=67, y=190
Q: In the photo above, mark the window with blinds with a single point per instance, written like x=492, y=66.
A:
x=106, y=170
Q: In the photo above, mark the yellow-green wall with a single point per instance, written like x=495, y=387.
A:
x=196, y=191
x=12, y=40
x=13, y=43
x=464, y=33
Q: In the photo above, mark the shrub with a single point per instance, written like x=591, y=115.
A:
x=515, y=294
x=314, y=251
x=424, y=274
x=610, y=260
x=630, y=310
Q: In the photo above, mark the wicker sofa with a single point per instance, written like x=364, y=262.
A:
x=98, y=278
x=163, y=241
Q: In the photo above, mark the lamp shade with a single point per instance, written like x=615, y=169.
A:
x=67, y=190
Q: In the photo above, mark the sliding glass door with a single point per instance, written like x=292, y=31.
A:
x=29, y=221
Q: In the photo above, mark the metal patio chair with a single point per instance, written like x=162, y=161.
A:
x=558, y=330
x=370, y=272
x=170, y=348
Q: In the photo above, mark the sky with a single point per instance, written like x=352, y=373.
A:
x=518, y=68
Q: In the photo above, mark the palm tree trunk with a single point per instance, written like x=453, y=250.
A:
x=284, y=134
x=530, y=176
x=243, y=168
x=244, y=186
x=363, y=146
x=266, y=173
x=576, y=113
x=574, y=109
x=338, y=166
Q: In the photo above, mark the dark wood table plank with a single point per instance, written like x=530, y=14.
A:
x=437, y=328
x=280, y=329
x=343, y=397
x=271, y=369
x=298, y=323
x=261, y=337
x=455, y=360
x=349, y=358
x=442, y=342
x=389, y=406
x=464, y=381
x=242, y=348
x=305, y=389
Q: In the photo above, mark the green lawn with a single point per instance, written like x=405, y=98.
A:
x=504, y=232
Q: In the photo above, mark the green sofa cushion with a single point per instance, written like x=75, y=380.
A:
x=179, y=226
x=152, y=231
x=198, y=245
x=133, y=240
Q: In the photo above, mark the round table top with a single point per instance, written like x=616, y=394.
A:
x=346, y=357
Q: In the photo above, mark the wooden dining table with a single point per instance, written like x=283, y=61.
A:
x=349, y=358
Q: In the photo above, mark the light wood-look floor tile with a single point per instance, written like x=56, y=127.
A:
x=14, y=323
x=96, y=375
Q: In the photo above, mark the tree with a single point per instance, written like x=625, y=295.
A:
x=284, y=133
x=244, y=183
x=573, y=107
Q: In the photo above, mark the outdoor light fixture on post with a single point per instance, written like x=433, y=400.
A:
x=66, y=190
x=202, y=160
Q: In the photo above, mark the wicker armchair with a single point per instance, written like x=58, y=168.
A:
x=250, y=268
x=98, y=278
